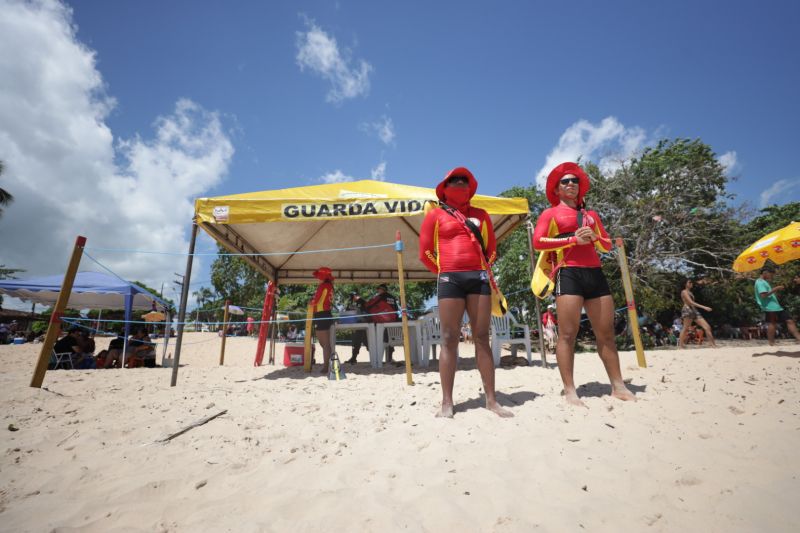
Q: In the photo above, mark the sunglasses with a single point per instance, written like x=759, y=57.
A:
x=458, y=181
x=566, y=181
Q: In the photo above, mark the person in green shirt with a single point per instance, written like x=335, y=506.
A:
x=768, y=302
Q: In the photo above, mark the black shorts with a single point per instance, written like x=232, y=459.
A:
x=460, y=284
x=323, y=320
x=776, y=316
x=587, y=282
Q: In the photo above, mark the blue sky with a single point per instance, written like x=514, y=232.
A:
x=489, y=85
x=168, y=101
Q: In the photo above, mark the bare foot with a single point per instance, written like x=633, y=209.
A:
x=572, y=398
x=498, y=410
x=446, y=411
x=622, y=393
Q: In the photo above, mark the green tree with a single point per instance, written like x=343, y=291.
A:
x=513, y=256
x=235, y=280
x=5, y=197
x=671, y=207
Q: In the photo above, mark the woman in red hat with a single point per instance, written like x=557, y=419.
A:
x=573, y=235
x=456, y=242
x=323, y=319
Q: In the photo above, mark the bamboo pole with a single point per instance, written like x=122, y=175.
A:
x=54, y=328
x=633, y=319
x=182, y=311
x=224, y=333
x=539, y=328
x=398, y=246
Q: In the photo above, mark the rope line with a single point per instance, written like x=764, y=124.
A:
x=268, y=254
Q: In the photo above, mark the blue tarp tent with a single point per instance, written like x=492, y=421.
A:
x=91, y=290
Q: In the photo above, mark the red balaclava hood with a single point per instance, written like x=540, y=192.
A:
x=551, y=189
x=323, y=274
x=458, y=203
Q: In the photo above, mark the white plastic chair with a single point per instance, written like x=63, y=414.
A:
x=60, y=360
x=502, y=333
x=394, y=332
x=431, y=336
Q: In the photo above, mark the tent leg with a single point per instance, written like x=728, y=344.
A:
x=274, y=330
x=182, y=311
x=532, y=258
x=54, y=328
x=128, y=306
x=167, y=330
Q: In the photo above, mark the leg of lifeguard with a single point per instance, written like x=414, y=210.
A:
x=451, y=310
x=479, y=309
x=569, y=317
x=324, y=338
x=601, y=315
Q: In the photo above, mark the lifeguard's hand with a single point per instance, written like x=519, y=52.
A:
x=584, y=235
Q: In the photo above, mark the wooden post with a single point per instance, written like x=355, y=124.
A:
x=539, y=326
x=307, y=339
x=633, y=319
x=182, y=310
x=398, y=246
x=224, y=333
x=54, y=328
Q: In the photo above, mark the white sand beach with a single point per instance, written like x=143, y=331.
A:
x=711, y=445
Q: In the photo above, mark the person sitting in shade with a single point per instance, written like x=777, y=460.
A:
x=140, y=347
x=71, y=343
x=383, y=306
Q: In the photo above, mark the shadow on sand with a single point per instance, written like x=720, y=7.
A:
x=506, y=400
x=595, y=389
x=778, y=354
x=363, y=368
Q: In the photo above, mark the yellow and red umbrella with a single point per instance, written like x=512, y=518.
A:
x=779, y=247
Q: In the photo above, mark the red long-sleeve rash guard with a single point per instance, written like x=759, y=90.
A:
x=445, y=245
x=564, y=219
x=323, y=298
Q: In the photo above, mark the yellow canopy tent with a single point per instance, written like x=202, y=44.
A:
x=274, y=230
x=332, y=217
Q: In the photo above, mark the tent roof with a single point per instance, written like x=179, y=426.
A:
x=287, y=223
x=91, y=290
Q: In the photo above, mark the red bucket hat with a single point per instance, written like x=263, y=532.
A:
x=457, y=172
x=551, y=189
x=323, y=273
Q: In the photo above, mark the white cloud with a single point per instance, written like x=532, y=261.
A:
x=779, y=188
x=379, y=172
x=383, y=129
x=337, y=176
x=66, y=173
x=319, y=52
x=729, y=162
x=607, y=144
